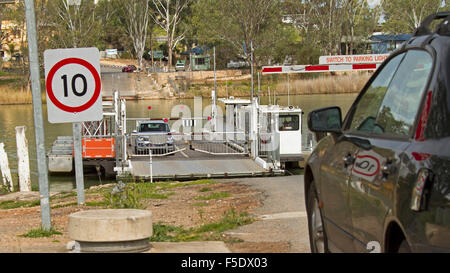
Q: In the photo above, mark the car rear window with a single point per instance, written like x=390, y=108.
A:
x=367, y=108
x=391, y=103
x=401, y=103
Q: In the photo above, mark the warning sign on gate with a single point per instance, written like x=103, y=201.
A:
x=73, y=85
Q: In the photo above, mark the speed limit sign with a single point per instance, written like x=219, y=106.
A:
x=73, y=85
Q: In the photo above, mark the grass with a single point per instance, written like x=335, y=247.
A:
x=300, y=84
x=347, y=83
x=134, y=194
x=230, y=220
x=205, y=189
x=13, y=89
x=64, y=205
x=216, y=195
x=207, y=232
x=95, y=204
x=153, y=195
x=11, y=204
x=39, y=233
x=12, y=96
x=12, y=92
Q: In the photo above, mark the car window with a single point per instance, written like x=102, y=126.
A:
x=399, y=108
x=368, y=105
x=289, y=123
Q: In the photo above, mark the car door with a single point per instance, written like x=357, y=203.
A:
x=339, y=160
x=386, y=134
x=334, y=176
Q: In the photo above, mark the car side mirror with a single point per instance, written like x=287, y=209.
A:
x=134, y=131
x=325, y=120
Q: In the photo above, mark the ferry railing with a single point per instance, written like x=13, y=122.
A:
x=221, y=143
x=269, y=147
x=164, y=144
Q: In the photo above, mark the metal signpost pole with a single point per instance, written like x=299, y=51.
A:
x=76, y=129
x=37, y=111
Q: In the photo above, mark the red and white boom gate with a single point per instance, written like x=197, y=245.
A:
x=266, y=70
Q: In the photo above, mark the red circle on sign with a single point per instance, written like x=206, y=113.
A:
x=56, y=102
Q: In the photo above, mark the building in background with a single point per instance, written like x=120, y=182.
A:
x=12, y=38
x=199, y=59
x=386, y=43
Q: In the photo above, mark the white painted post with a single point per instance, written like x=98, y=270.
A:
x=4, y=167
x=23, y=161
x=151, y=163
x=78, y=156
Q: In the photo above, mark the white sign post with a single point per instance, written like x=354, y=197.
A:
x=73, y=84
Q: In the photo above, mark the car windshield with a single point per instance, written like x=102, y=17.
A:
x=153, y=127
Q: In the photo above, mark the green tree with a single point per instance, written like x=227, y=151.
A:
x=168, y=15
x=360, y=22
x=72, y=25
x=136, y=21
x=241, y=23
x=110, y=18
x=404, y=16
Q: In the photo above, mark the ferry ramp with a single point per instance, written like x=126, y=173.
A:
x=196, y=160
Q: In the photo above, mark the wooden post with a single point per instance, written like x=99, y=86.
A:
x=4, y=166
x=23, y=161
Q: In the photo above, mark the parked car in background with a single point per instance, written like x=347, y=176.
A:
x=154, y=135
x=180, y=65
x=238, y=64
x=129, y=68
x=379, y=180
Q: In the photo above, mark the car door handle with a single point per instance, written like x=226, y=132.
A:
x=388, y=168
x=349, y=160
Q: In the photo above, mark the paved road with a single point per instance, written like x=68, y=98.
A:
x=282, y=216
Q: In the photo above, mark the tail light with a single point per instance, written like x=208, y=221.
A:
x=420, y=131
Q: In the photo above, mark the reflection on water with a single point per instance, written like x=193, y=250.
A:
x=19, y=115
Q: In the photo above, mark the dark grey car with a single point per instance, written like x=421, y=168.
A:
x=380, y=179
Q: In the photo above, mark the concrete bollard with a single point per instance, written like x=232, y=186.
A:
x=23, y=160
x=110, y=230
x=4, y=167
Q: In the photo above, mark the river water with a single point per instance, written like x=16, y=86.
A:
x=22, y=115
